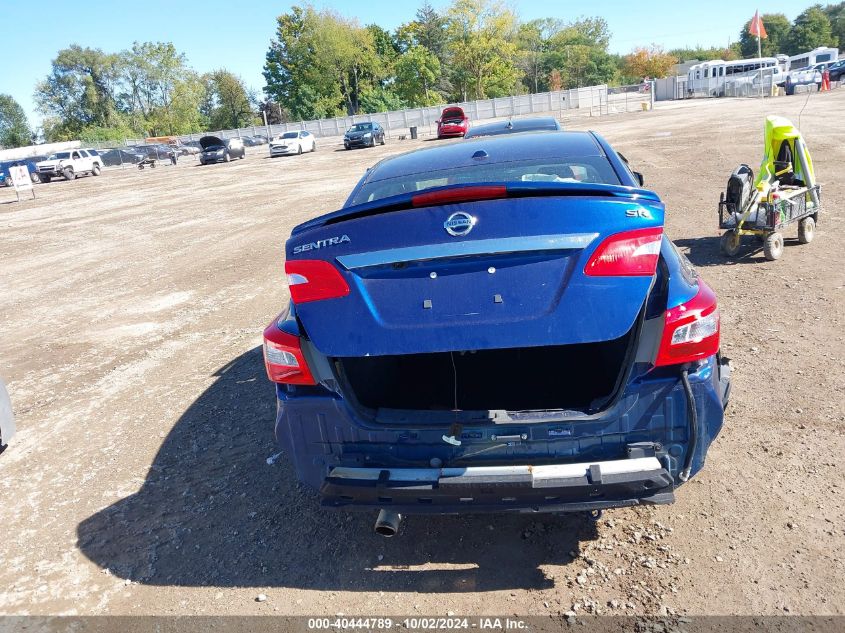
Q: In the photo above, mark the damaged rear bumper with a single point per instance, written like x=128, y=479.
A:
x=519, y=488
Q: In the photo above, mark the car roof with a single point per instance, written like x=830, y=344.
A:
x=513, y=126
x=495, y=149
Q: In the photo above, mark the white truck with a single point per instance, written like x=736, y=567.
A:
x=804, y=76
x=69, y=164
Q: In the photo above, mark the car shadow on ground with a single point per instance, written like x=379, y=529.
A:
x=705, y=251
x=213, y=512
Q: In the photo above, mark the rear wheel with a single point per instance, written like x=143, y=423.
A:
x=96, y=170
x=299, y=149
x=68, y=173
x=806, y=230
x=382, y=139
x=227, y=157
x=730, y=243
x=314, y=146
x=773, y=246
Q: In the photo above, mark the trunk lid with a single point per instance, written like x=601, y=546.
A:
x=207, y=142
x=499, y=273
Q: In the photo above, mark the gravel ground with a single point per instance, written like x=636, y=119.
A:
x=139, y=482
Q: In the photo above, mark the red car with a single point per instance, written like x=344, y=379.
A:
x=453, y=122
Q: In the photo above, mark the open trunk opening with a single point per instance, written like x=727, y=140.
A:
x=580, y=377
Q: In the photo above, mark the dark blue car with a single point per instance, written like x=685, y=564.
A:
x=31, y=163
x=496, y=325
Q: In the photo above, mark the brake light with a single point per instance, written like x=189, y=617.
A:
x=691, y=331
x=283, y=358
x=629, y=254
x=314, y=280
x=459, y=194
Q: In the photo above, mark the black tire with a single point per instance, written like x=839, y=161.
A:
x=730, y=243
x=346, y=146
x=382, y=140
x=45, y=178
x=68, y=173
x=227, y=157
x=35, y=178
x=806, y=230
x=153, y=164
x=773, y=246
x=299, y=150
x=314, y=146
x=95, y=171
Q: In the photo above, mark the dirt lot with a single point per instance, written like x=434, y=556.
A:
x=132, y=307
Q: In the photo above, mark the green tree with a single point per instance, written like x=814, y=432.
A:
x=228, y=104
x=162, y=94
x=80, y=91
x=482, y=49
x=417, y=70
x=577, y=54
x=430, y=30
x=533, y=42
x=778, y=30
x=319, y=63
x=836, y=15
x=14, y=128
x=810, y=30
x=378, y=99
x=294, y=79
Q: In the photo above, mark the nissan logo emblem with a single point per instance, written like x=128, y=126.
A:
x=459, y=224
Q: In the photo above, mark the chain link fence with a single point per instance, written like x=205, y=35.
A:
x=759, y=84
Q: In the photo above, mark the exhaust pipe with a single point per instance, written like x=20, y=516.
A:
x=387, y=523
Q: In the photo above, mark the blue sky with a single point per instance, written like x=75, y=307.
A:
x=31, y=38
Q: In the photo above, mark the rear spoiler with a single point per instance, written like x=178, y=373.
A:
x=451, y=194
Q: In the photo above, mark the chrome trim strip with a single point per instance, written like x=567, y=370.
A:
x=467, y=248
x=536, y=473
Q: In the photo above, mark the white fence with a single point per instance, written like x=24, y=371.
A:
x=594, y=100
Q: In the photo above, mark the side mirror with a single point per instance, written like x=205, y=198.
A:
x=639, y=178
x=437, y=121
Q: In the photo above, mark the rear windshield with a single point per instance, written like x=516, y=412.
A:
x=585, y=169
x=495, y=131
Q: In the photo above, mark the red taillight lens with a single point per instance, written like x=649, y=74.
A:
x=459, y=194
x=283, y=358
x=691, y=331
x=314, y=280
x=628, y=254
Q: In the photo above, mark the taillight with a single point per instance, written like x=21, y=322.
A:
x=314, y=280
x=459, y=194
x=691, y=331
x=629, y=254
x=283, y=358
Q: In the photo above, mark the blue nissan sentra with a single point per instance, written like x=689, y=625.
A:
x=495, y=325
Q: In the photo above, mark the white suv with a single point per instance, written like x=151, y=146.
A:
x=69, y=164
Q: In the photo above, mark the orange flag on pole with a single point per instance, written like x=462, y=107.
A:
x=756, y=27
